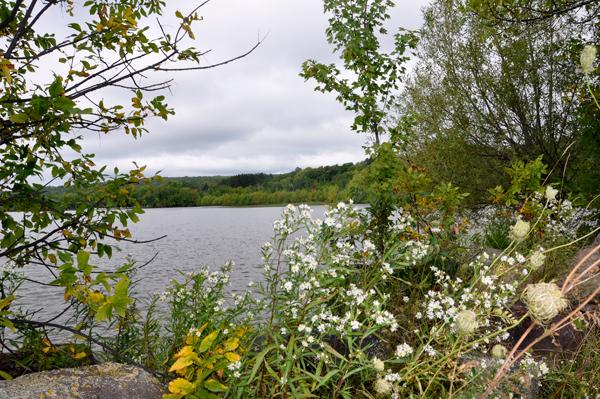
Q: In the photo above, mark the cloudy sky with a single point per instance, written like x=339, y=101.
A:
x=256, y=114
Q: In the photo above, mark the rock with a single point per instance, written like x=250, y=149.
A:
x=103, y=381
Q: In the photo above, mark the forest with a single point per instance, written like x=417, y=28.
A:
x=325, y=184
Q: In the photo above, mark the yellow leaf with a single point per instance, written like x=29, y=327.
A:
x=6, y=72
x=192, y=339
x=231, y=344
x=80, y=356
x=232, y=357
x=184, y=352
x=6, y=301
x=182, y=363
x=180, y=386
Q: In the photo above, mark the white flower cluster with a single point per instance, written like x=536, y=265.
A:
x=404, y=350
x=10, y=268
x=471, y=307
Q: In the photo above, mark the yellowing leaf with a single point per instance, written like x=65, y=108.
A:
x=80, y=356
x=231, y=344
x=6, y=376
x=184, y=352
x=180, y=386
x=215, y=386
x=181, y=363
x=208, y=341
x=95, y=297
x=232, y=357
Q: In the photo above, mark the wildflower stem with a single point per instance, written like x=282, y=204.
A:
x=587, y=78
x=578, y=264
x=574, y=241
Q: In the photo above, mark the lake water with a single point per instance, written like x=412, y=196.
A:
x=194, y=237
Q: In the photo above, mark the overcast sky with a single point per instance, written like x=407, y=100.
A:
x=256, y=114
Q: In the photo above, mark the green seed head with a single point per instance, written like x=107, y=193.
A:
x=499, y=351
x=466, y=322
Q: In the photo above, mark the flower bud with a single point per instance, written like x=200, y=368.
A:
x=544, y=301
x=587, y=57
x=519, y=230
x=537, y=260
x=466, y=322
x=499, y=351
x=551, y=192
x=382, y=387
x=378, y=364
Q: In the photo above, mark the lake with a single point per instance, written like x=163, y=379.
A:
x=195, y=236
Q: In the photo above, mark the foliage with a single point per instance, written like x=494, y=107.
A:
x=483, y=97
x=52, y=86
x=353, y=30
x=322, y=184
x=532, y=11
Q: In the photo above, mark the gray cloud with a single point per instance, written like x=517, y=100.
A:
x=256, y=114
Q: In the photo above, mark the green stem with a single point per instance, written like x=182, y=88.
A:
x=587, y=78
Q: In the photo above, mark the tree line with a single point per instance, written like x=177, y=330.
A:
x=322, y=184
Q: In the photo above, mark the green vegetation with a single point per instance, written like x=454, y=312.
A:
x=398, y=300
x=328, y=184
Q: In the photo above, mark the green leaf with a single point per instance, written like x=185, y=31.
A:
x=204, y=394
x=56, y=88
x=64, y=104
x=6, y=376
x=104, y=312
x=19, y=118
x=82, y=260
x=215, y=386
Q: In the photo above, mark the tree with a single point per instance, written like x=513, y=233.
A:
x=353, y=30
x=41, y=120
x=533, y=11
x=484, y=96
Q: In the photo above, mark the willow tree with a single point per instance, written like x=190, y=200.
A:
x=483, y=96
x=52, y=88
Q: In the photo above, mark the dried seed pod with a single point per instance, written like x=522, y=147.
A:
x=382, y=387
x=587, y=57
x=544, y=301
x=519, y=230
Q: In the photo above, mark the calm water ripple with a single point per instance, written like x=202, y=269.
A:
x=195, y=237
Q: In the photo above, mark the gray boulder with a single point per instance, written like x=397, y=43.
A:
x=103, y=381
